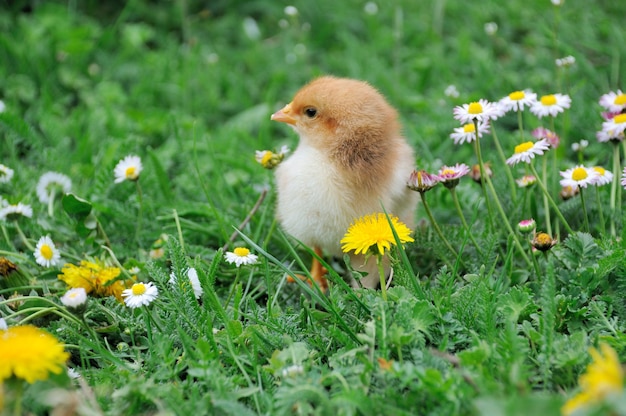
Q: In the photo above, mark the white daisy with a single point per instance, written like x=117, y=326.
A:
x=604, y=176
x=6, y=173
x=128, y=169
x=13, y=212
x=291, y=11
x=550, y=136
x=604, y=136
x=623, y=181
x=614, y=101
x=292, y=371
x=3, y=324
x=517, y=100
x=269, y=159
x=566, y=61
x=451, y=91
x=550, y=105
x=569, y=192
x=73, y=373
x=241, y=255
x=526, y=181
x=481, y=110
x=450, y=175
x=74, y=298
x=526, y=152
x=140, y=294
x=192, y=274
x=578, y=177
x=467, y=132
x=46, y=254
x=613, y=128
x=580, y=146
x=3, y=106
x=491, y=28
x=49, y=183
x=422, y=181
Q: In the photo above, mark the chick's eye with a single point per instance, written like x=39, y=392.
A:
x=310, y=112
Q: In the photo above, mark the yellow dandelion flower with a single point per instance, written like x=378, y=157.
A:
x=372, y=233
x=30, y=353
x=603, y=377
x=94, y=277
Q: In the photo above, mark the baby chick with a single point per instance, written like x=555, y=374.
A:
x=351, y=161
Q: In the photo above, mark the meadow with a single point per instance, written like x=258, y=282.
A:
x=162, y=288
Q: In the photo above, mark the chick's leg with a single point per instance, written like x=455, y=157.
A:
x=317, y=271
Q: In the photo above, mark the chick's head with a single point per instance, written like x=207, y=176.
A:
x=329, y=112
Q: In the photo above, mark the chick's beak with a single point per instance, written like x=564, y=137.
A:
x=284, y=115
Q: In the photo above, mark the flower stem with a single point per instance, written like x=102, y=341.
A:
x=381, y=273
x=505, y=220
x=546, y=205
x=600, y=211
x=5, y=234
x=553, y=176
x=23, y=237
x=507, y=168
x=585, y=216
x=438, y=230
x=146, y=316
x=535, y=262
x=481, y=167
x=520, y=125
x=613, y=200
x=465, y=225
x=232, y=290
x=556, y=208
x=18, y=395
x=51, y=204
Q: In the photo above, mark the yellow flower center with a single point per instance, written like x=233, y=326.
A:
x=266, y=158
x=517, y=95
x=46, y=252
x=579, y=174
x=620, y=99
x=447, y=172
x=543, y=241
x=130, y=172
x=600, y=170
x=620, y=118
x=241, y=251
x=138, y=289
x=469, y=128
x=548, y=99
x=524, y=147
x=475, y=108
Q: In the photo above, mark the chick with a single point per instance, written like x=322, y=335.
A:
x=351, y=161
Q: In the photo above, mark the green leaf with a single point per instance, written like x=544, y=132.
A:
x=76, y=207
x=81, y=211
x=162, y=178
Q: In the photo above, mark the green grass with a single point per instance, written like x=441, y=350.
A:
x=184, y=86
